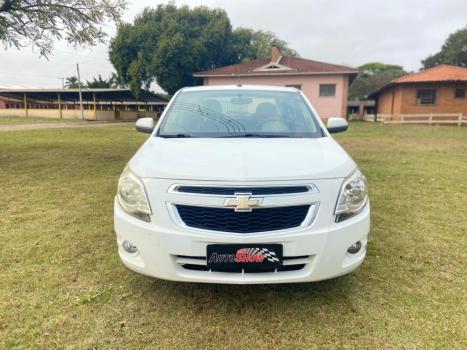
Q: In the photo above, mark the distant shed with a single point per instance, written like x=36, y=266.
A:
x=438, y=90
x=98, y=104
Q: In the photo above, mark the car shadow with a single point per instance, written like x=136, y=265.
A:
x=208, y=298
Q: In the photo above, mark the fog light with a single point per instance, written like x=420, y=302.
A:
x=355, y=248
x=129, y=247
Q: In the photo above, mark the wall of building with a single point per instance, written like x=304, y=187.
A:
x=389, y=101
x=48, y=113
x=76, y=114
x=405, y=100
x=445, y=100
x=329, y=106
x=133, y=115
x=11, y=112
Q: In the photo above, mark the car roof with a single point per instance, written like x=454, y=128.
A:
x=240, y=87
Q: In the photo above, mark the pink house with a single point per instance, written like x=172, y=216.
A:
x=325, y=85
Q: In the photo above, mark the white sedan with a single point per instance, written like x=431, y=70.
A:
x=241, y=184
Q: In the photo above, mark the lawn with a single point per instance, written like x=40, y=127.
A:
x=24, y=120
x=63, y=287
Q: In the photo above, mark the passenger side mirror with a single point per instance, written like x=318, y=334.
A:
x=145, y=125
x=336, y=125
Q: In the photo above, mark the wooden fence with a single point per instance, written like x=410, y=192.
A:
x=456, y=119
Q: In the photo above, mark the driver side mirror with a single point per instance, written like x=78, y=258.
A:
x=336, y=125
x=145, y=125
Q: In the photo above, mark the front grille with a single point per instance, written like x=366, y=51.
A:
x=228, y=220
x=259, y=191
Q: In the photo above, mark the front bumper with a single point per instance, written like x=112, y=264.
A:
x=322, y=250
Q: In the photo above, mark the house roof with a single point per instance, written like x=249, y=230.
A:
x=71, y=95
x=285, y=65
x=440, y=74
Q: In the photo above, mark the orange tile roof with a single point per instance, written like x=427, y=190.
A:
x=439, y=73
x=293, y=65
x=443, y=73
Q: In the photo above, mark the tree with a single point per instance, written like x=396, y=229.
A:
x=371, y=77
x=72, y=83
x=167, y=44
x=250, y=45
x=117, y=81
x=39, y=22
x=100, y=83
x=454, y=51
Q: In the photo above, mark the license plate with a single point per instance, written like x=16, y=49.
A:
x=248, y=257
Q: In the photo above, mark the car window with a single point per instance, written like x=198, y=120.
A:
x=234, y=113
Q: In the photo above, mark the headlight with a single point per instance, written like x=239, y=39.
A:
x=352, y=196
x=132, y=196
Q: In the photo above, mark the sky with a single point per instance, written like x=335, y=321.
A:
x=337, y=31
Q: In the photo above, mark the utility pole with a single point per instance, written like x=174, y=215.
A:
x=79, y=90
x=63, y=81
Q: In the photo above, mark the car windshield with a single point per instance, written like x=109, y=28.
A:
x=234, y=113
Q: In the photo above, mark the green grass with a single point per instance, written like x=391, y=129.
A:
x=62, y=285
x=24, y=120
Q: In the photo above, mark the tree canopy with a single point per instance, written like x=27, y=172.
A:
x=167, y=44
x=250, y=45
x=98, y=82
x=39, y=22
x=454, y=51
x=371, y=77
x=72, y=83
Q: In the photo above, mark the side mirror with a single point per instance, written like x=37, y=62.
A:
x=336, y=125
x=145, y=125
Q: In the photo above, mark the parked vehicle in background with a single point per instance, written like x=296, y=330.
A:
x=241, y=184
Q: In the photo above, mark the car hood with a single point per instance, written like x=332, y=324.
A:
x=240, y=159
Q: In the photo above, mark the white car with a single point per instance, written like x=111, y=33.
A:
x=241, y=184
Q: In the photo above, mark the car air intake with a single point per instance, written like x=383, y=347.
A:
x=228, y=220
x=289, y=263
x=258, y=191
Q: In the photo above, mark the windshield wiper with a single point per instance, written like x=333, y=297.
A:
x=173, y=136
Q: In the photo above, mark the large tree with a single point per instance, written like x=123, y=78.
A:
x=168, y=44
x=454, y=51
x=371, y=77
x=250, y=45
x=39, y=22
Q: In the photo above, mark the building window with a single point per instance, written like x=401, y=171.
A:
x=426, y=96
x=297, y=86
x=460, y=93
x=327, y=90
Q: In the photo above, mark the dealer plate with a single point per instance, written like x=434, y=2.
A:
x=248, y=257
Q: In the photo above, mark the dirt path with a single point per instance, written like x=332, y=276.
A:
x=60, y=125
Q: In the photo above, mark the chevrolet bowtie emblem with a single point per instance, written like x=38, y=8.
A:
x=243, y=202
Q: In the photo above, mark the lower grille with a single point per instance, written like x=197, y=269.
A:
x=228, y=220
x=198, y=263
x=194, y=267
